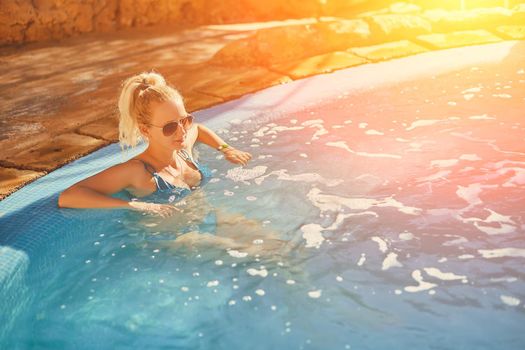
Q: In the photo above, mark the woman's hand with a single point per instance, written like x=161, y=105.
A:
x=236, y=156
x=162, y=210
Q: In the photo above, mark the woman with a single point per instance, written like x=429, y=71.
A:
x=166, y=171
x=157, y=179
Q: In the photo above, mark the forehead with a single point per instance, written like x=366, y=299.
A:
x=166, y=111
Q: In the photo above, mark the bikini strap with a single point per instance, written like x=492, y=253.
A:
x=149, y=168
x=187, y=156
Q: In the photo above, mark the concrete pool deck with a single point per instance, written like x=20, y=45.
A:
x=58, y=100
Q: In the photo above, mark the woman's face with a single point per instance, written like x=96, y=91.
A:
x=163, y=113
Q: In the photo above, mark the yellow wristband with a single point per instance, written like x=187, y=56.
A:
x=223, y=147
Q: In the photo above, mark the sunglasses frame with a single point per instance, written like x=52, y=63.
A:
x=177, y=123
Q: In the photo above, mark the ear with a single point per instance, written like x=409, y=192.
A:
x=144, y=130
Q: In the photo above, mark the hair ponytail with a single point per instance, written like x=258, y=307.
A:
x=134, y=104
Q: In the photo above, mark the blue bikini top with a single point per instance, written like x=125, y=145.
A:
x=167, y=192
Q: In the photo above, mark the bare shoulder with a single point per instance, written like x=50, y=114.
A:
x=115, y=178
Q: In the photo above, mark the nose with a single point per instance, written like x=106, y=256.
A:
x=181, y=131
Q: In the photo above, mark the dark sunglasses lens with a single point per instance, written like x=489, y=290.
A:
x=187, y=121
x=170, y=128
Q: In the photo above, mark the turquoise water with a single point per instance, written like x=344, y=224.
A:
x=390, y=218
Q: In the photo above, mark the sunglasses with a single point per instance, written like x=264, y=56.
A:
x=170, y=128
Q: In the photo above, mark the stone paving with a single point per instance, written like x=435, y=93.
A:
x=58, y=101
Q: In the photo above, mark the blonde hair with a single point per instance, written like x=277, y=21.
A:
x=134, y=104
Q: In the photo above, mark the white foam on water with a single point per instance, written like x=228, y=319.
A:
x=511, y=301
x=470, y=194
x=335, y=203
x=390, y=261
x=361, y=260
x=237, y=254
x=505, y=223
x=316, y=123
x=368, y=176
x=440, y=175
x=481, y=117
x=340, y=218
x=290, y=282
x=502, y=253
x=343, y=145
x=516, y=180
x=213, y=283
x=312, y=122
x=471, y=90
x=260, y=292
x=406, y=236
x=240, y=174
x=260, y=132
x=502, y=229
x=456, y=241
x=503, y=279
x=444, y=163
x=471, y=157
x=254, y=272
x=312, y=233
x=465, y=256
x=374, y=132
x=502, y=95
x=444, y=276
x=315, y=294
x=383, y=246
x=422, y=285
x=277, y=129
x=423, y=122
x=283, y=175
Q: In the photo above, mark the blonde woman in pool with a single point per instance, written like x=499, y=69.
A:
x=157, y=179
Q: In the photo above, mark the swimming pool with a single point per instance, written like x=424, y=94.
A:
x=399, y=194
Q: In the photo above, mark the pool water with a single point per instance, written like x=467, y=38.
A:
x=400, y=210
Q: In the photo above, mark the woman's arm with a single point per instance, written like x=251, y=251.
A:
x=95, y=191
x=210, y=138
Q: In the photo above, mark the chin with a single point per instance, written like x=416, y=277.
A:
x=179, y=144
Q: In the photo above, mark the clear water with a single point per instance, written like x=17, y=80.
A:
x=391, y=218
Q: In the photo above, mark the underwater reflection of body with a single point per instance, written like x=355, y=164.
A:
x=200, y=226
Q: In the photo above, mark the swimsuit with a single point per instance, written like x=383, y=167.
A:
x=167, y=192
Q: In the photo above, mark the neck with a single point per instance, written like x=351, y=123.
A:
x=161, y=155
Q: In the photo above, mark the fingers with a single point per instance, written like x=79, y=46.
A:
x=238, y=157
